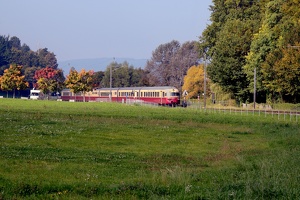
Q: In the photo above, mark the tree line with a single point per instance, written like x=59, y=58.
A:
x=254, y=44
x=168, y=66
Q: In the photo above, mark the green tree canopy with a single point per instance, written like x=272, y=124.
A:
x=11, y=51
x=124, y=75
x=227, y=41
x=270, y=53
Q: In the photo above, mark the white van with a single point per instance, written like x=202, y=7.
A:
x=35, y=94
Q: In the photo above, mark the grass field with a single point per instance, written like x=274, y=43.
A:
x=63, y=150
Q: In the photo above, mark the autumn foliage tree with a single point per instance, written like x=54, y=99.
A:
x=13, y=79
x=80, y=81
x=281, y=73
x=49, y=80
x=194, y=81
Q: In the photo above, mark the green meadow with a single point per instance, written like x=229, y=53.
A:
x=65, y=150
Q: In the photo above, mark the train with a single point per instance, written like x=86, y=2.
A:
x=161, y=95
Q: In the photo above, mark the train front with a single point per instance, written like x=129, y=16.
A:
x=173, y=98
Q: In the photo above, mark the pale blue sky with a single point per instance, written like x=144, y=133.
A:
x=76, y=29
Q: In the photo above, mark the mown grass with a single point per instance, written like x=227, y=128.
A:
x=63, y=150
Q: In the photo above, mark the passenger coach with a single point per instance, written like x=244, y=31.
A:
x=163, y=95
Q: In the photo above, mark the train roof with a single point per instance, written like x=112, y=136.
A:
x=141, y=88
x=135, y=88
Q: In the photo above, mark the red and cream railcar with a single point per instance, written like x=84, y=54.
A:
x=163, y=95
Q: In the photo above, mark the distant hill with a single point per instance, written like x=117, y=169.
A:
x=98, y=64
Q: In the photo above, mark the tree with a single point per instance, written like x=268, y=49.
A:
x=170, y=62
x=194, y=81
x=227, y=40
x=72, y=80
x=4, y=52
x=86, y=81
x=11, y=51
x=227, y=61
x=46, y=58
x=97, y=79
x=124, y=75
x=186, y=57
x=269, y=55
x=49, y=80
x=80, y=82
x=29, y=73
x=13, y=79
x=264, y=42
x=281, y=72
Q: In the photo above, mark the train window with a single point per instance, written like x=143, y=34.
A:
x=175, y=94
x=104, y=94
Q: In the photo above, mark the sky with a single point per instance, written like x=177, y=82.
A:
x=83, y=29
